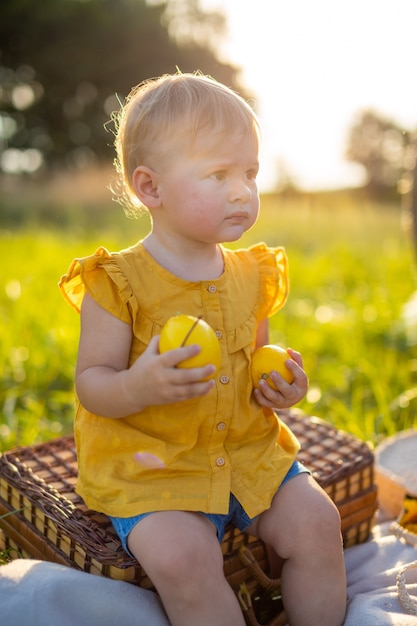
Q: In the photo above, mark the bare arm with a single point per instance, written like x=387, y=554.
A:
x=106, y=385
x=262, y=334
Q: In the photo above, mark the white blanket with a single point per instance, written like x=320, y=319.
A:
x=35, y=593
x=38, y=593
x=372, y=570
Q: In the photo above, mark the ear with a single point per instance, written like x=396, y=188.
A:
x=145, y=184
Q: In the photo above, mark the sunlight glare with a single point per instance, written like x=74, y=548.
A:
x=311, y=67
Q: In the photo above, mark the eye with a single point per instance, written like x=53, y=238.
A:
x=252, y=174
x=220, y=175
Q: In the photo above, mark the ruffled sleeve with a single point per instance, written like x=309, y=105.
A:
x=273, y=279
x=100, y=276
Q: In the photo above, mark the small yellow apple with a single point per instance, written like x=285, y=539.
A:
x=268, y=358
x=184, y=330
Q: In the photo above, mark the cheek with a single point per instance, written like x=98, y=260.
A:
x=204, y=216
x=204, y=206
x=254, y=211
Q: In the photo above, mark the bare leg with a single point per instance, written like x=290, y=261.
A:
x=303, y=527
x=182, y=556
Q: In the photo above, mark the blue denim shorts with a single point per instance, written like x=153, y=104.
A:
x=236, y=514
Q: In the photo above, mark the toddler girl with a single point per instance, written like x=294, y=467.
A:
x=170, y=454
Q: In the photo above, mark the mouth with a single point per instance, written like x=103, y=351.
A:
x=238, y=217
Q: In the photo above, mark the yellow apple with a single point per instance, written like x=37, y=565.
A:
x=266, y=359
x=184, y=330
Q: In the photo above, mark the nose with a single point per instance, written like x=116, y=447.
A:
x=240, y=192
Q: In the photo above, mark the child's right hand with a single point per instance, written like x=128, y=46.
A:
x=105, y=383
x=154, y=378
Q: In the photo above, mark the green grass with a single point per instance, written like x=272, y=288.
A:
x=352, y=271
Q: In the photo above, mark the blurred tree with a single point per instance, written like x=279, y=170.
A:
x=66, y=64
x=379, y=145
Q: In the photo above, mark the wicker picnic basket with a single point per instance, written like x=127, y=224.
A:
x=42, y=517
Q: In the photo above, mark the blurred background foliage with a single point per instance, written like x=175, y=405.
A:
x=66, y=64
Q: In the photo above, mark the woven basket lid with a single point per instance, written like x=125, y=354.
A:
x=396, y=458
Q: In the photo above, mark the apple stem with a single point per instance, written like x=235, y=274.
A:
x=191, y=330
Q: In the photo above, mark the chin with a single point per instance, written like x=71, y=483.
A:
x=234, y=234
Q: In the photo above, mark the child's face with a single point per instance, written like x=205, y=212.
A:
x=208, y=192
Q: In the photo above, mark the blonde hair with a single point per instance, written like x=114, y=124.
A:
x=173, y=107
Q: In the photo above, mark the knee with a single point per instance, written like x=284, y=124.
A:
x=315, y=523
x=326, y=514
x=324, y=524
x=187, y=562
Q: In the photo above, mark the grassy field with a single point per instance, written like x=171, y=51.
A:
x=352, y=272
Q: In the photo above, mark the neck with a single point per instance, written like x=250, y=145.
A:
x=189, y=261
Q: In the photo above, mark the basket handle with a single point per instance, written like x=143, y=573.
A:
x=402, y=533
x=407, y=603
x=245, y=600
x=270, y=584
x=248, y=560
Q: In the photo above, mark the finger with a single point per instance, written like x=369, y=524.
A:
x=300, y=377
x=279, y=382
x=267, y=391
x=295, y=368
x=295, y=356
x=153, y=346
x=171, y=358
x=263, y=400
x=285, y=392
x=192, y=390
x=189, y=375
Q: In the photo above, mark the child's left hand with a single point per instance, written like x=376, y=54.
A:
x=287, y=394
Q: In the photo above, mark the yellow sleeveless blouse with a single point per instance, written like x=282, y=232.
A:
x=212, y=446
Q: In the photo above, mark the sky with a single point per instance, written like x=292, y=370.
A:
x=313, y=66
